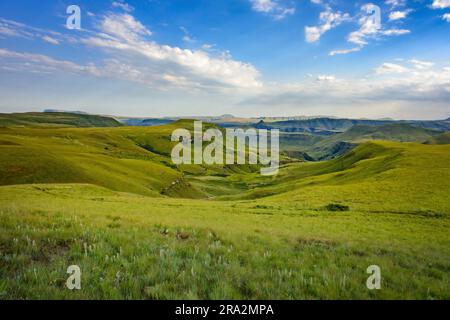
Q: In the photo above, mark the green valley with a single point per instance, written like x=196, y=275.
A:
x=111, y=201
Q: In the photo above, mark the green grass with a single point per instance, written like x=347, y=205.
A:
x=440, y=139
x=55, y=119
x=110, y=201
x=104, y=157
x=127, y=248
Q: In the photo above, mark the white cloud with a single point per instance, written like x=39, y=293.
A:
x=394, y=90
x=276, y=8
x=345, y=51
x=50, y=40
x=10, y=28
x=369, y=29
x=395, y=32
x=419, y=64
x=124, y=27
x=387, y=68
x=326, y=78
x=110, y=68
x=440, y=4
x=328, y=21
x=208, y=46
x=124, y=38
x=263, y=5
x=283, y=13
x=39, y=63
x=446, y=17
x=122, y=5
x=187, y=37
x=398, y=15
x=129, y=37
x=396, y=3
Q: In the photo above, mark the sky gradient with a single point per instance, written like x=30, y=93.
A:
x=242, y=57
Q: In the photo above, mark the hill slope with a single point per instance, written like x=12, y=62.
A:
x=376, y=176
x=440, y=139
x=104, y=157
x=56, y=119
x=335, y=145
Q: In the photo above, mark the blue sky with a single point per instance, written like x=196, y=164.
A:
x=245, y=57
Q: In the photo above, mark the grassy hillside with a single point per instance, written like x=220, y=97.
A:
x=439, y=139
x=329, y=147
x=135, y=247
x=104, y=157
x=110, y=201
x=374, y=177
x=56, y=119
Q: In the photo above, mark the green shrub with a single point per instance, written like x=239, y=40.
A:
x=337, y=207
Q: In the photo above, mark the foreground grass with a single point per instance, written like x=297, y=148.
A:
x=127, y=247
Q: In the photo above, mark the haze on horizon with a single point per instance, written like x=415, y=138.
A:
x=249, y=58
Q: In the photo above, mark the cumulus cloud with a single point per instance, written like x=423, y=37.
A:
x=263, y=5
x=124, y=27
x=388, y=68
x=398, y=15
x=370, y=28
x=446, y=17
x=440, y=4
x=420, y=64
x=396, y=3
x=328, y=20
x=122, y=5
x=414, y=65
x=125, y=39
x=278, y=9
x=126, y=35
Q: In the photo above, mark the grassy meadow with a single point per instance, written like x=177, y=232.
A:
x=111, y=201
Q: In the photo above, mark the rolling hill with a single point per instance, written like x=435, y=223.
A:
x=104, y=157
x=439, y=139
x=56, y=119
x=137, y=160
x=329, y=147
